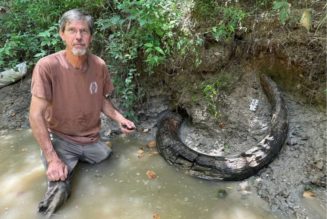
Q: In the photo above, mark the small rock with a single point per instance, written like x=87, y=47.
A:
x=140, y=153
x=221, y=193
x=245, y=188
x=221, y=125
x=151, y=144
x=319, y=164
x=151, y=174
x=153, y=153
x=146, y=130
x=258, y=179
x=308, y=194
x=291, y=142
x=156, y=216
x=244, y=185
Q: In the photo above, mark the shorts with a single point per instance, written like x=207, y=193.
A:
x=70, y=153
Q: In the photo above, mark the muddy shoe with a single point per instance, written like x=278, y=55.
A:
x=56, y=195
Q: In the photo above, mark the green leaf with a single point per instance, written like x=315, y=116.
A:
x=159, y=50
x=149, y=45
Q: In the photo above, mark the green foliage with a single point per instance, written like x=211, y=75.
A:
x=139, y=36
x=210, y=92
x=205, y=10
x=262, y=3
x=14, y=49
x=283, y=8
x=125, y=87
x=226, y=147
x=147, y=28
x=221, y=19
x=231, y=19
x=50, y=42
x=211, y=89
x=29, y=28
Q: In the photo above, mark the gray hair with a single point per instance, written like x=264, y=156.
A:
x=73, y=15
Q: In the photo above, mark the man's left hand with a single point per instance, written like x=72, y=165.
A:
x=127, y=127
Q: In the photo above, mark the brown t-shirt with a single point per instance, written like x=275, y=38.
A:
x=75, y=96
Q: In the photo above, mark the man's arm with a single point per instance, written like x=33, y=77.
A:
x=57, y=170
x=109, y=110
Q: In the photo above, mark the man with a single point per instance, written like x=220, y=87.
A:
x=69, y=90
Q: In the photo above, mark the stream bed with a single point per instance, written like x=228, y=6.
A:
x=121, y=187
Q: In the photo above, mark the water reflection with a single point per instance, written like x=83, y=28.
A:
x=118, y=188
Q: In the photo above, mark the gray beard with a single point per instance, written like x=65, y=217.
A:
x=79, y=52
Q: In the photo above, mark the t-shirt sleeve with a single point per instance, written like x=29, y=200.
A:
x=108, y=86
x=41, y=85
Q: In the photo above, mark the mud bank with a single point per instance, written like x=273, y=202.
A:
x=300, y=167
x=294, y=184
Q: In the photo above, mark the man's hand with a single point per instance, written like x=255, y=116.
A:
x=109, y=110
x=127, y=126
x=57, y=170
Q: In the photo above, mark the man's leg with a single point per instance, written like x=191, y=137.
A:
x=59, y=191
x=96, y=152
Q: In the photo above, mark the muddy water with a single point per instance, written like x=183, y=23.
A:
x=119, y=187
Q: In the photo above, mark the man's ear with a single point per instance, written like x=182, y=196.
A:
x=91, y=39
x=61, y=34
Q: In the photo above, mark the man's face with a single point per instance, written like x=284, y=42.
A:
x=77, y=37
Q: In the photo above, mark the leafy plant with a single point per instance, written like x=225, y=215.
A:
x=15, y=49
x=210, y=92
x=262, y=3
x=221, y=19
x=231, y=19
x=283, y=8
x=141, y=35
x=147, y=28
x=50, y=42
x=126, y=90
x=29, y=28
x=211, y=89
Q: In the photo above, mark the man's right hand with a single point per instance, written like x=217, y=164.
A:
x=57, y=170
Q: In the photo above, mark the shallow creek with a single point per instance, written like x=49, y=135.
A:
x=119, y=187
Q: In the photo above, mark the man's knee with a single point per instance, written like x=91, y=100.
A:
x=97, y=152
x=105, y=153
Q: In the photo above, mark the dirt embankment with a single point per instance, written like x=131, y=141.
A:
x=14, y=104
